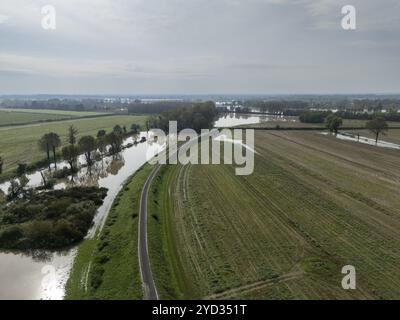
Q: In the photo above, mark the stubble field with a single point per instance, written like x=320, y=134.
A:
x=313, y=205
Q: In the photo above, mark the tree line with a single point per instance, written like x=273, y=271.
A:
x=103, y=142
x=197, y=117
x=377, y=126
x=50, y=143
x=157, y=107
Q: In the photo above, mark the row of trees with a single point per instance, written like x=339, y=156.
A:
x=377, y=125
x=200, y=116
x=87, y=145
x=313, y=117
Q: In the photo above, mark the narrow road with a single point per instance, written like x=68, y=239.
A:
x=149, y=287
x=150, y=291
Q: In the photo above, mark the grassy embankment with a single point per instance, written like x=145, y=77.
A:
x=106, y=267
x=20, y=144
x=313, y=205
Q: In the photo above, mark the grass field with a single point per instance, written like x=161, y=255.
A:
x=106, y=266
x=23, y=116
x=313, y=205
x=20, y=144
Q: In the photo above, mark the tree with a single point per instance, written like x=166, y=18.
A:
x=312, y=117
x=1, y=165
x=333, y=123
x=70, y=153
x=101, y=133
x=21, y=169
x=50, y=141
x=377, y=126
x=135, y=128
x=44, y=146
x=55, y=142
x=87, y=144
x=71, y=136
x=101, y=142
x=118, y=130
x=115, y=141
x=17, y=187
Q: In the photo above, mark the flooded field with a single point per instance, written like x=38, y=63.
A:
x=42, y=275
x=239, y=119
x=361, y=139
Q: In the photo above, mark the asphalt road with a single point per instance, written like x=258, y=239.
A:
x=150, y=291
x=149, y=287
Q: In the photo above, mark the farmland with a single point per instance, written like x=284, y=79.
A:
x=20, y=144
x=24, y=116
x=294, y=122
x=313, y=205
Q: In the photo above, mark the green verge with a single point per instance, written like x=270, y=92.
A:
x=106, y=267
x=168, y=272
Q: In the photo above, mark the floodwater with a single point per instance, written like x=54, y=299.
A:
x=238, y=119
x=43, y=275
x=349, y=137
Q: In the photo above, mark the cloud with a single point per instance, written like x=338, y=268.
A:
x=199, y=45
x=3, y=18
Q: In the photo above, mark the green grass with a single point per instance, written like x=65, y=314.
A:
x=20, y=144
x=313, y=205
x=106, y=267
x=163, y=251
x=52, y=112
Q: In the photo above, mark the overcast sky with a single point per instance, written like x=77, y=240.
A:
x=199, y=46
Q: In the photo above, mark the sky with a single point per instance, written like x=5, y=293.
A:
x=199, y=47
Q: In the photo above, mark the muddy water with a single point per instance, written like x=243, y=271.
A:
x=43, y=275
